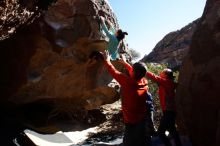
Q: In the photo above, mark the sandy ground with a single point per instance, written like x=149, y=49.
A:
x=60, y=132
x=72, y=132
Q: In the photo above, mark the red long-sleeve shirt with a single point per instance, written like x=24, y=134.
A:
x=133, y=95
x=166, y=91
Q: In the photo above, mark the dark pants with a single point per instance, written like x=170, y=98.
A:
x=167, y=123
x=136, y=135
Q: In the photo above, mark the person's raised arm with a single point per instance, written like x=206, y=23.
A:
x=105, y=28
x=127, y=65
x=155, y=78
x=111, y=69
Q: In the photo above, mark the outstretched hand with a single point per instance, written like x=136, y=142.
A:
x=123, y=59
x=102, y=19
x=105, y=55
x=106, y=21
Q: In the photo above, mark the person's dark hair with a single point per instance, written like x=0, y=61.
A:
x=139, y=69
x=121, y=35
x=169, y=73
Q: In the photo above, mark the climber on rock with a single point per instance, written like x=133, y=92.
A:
x=115, y=37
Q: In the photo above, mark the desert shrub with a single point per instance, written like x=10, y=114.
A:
x=134, y=54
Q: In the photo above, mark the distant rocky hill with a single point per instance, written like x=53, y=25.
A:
x=173, y=47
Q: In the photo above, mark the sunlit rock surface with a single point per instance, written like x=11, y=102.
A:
x=49, y=58
x=198, y=89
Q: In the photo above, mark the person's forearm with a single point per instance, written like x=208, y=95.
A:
x=127, y=66
x=112, y=70
x=105, y=29
x=151, y=75
x=154, y=77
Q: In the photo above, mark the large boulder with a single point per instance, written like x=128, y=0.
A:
x=198, y=90
x=50, y=57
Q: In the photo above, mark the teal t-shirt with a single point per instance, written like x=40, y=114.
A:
x=113, y=41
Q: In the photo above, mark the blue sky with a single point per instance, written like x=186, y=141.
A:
x=148, y=21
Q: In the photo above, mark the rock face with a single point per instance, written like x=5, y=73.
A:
x=173, y=47
x=198, y=91
x=14, y=13
x=50, y=58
